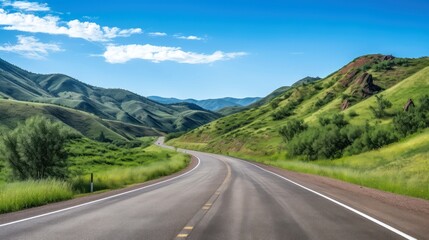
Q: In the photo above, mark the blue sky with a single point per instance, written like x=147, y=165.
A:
x=206, y=49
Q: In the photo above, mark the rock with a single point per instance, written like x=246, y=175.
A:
x=367, y=86
x=387, y=57
x=345, y=104
x=408, y=105
x=349, y=77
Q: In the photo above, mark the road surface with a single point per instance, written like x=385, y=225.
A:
x=221, y=198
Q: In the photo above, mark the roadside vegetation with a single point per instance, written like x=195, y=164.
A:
x=343, y=126
x=44, y=162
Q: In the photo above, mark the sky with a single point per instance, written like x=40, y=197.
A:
x=206, y=49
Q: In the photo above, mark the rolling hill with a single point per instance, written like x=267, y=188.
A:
x=109, y=104
x=231, y=110
x=210, y=104
x=337, y=125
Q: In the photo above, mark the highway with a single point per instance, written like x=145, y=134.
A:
x=220, y=198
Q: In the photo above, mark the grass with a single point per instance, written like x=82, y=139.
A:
x=158, y=163
x=253, y=134
x=113, y=167
x=19, y=195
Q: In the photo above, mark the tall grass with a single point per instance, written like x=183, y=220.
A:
x=19, y=195
x=113, y=167
x=121, y=177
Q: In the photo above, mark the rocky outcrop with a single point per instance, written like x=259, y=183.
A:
x=345, y=104
x=366, y=85
x=409, y=105
x=387, y=58
x=345, y=82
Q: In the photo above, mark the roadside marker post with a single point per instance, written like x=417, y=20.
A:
x=92, y=183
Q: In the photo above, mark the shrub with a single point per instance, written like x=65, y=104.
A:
x=382, y=104
x=406, y=123
x=35, y=150
x=292, y=128
x=282, y=113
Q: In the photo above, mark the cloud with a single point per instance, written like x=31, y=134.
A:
x=124, y=53
x=51, y=25
x=28, y=6
x=195, y=38
x=157, y=34
x=30, y=47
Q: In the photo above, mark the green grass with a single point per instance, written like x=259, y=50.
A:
x=19, y=195
x=153, y=163
x=113, y=167
x=399, y=168
x=253, y=134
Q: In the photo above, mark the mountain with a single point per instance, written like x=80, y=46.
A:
x=254, y=132
x=305, y=80
x=209, y=104
x=231, y=110
x=109, y=104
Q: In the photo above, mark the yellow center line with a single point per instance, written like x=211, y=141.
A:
x=182, y=235
x=188, y=228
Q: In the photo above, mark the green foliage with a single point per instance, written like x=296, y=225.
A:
x=19, y=195
x=173, y=135
x=282, y=113
x=409, y=122
x=35, y=150
x=336, y=119
x=318, y=143
x=382, y=104
x=291, y=128
x=326, y=99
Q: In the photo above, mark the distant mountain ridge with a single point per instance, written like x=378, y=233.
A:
x=209, y=104
x=111, y=104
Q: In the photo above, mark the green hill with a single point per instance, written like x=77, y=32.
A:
x=259, y=133
x=209, y=104
x=14, y=112
x=111, y=104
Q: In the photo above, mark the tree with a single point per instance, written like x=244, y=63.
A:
x=35, y=149
x=292, y=128
x=379, y=110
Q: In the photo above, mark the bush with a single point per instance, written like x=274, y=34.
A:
x=35, y=150
x=282, y=113
x=406, y=123
x=379, y=110
x=337, y=119
x=292, y=128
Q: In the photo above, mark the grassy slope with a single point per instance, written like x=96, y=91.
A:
x=253, y=134
x=89, y=125
x=113, y=167
x=113, y=104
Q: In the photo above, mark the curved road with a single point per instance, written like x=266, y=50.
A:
x=222, y=198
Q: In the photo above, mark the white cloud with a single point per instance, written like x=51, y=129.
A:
x=190, y=37
x=124, y=53
x=157, y=34
x=30, y=47
x=28, y=6
x=51, y=25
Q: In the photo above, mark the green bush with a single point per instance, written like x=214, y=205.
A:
x=35, y=150
x=292, y=128
x=409, y=122
x=379, y=110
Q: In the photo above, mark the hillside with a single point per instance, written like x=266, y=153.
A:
x=231, y=110
x=209, y=104
x=111, y=104
x=261, y=133
x=89, y=125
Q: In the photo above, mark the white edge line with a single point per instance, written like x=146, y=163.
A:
x=406, y=236
x=102, y=199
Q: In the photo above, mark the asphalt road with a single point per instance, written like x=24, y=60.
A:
x=222, y=198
